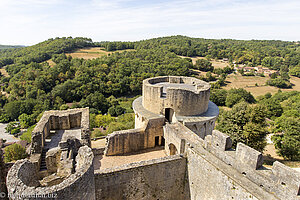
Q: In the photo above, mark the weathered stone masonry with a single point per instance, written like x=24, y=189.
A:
x=69, y=170
x=23, y=184
x=154, y=179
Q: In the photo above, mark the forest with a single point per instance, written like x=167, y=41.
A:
x=108, y=84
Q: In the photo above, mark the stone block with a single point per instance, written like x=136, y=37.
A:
x=248, y=156
x=52, y=159
x=287, y=177
x=221, y=140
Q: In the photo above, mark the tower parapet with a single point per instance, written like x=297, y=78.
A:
x=186, y=96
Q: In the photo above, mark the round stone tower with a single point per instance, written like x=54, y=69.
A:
x=184, y=96
x=177, y=99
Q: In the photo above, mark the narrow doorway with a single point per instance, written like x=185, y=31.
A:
x=156, y=140
x=172, y=149
x=162, y=141
x=169, y=114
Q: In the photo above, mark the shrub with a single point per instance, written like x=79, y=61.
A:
x=13, y=128
x=218, y=97
x=279, y=82
x=27, y=135
x=14, y=152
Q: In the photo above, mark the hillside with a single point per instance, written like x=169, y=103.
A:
x=111, y=70
x=76, y=72
x=10, y=46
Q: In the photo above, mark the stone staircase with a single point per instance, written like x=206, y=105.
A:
x=43, y=166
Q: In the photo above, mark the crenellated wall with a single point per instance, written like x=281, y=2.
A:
x=235, y=174
x=281, y=180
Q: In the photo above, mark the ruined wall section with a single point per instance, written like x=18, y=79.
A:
x=22, y=182
x=121, y=142
x=184, y=101
x=161, y=178
x=60, y=120
x=133, y=140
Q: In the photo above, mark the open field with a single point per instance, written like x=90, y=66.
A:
x=50, y=62
x=4, y=72
x=89, y=53
x=219, y=63
x=248, y=83
x=93, y=52
x=215, y=63
x=194, y=59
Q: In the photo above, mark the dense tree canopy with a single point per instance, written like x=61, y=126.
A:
x=204, y=65
x=244, y=124
x=237, y=95
x=287, y=126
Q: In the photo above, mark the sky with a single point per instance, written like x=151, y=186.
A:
x=27, y=22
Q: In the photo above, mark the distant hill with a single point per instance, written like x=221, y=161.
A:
x=10, y=46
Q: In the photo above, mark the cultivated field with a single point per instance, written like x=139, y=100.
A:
x=93, y=52
x=215, y=63
x=248, y=83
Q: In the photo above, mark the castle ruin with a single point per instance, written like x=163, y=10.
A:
x=174, y=114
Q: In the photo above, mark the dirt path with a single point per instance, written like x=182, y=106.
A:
x=6, y=136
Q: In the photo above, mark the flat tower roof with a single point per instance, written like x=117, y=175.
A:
x=166, y=85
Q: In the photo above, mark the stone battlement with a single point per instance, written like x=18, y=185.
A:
x=281, y=180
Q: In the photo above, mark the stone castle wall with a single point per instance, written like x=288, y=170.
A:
x=121, y=142
x=22, y=180
x=281, y=180
x=235, y=174
x=60, y=120
x=161, y=178
x=179, y=99
x=126, y=141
